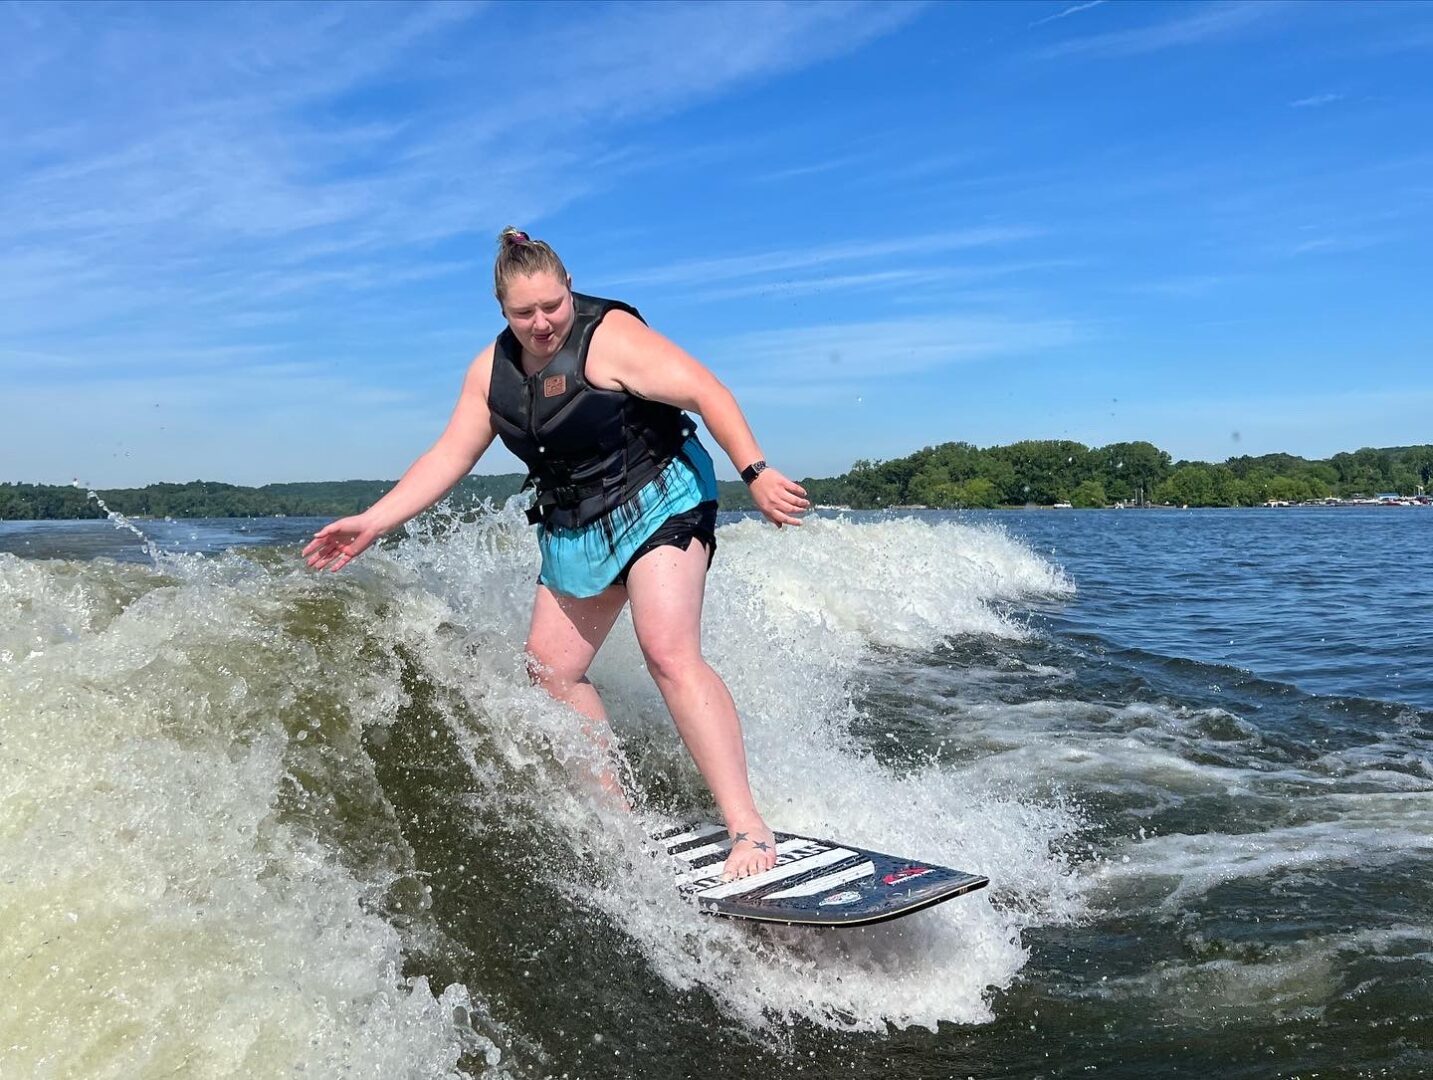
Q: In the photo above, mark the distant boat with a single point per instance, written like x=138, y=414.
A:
x=1062, y=506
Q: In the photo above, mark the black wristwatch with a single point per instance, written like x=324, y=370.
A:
x=752, y=471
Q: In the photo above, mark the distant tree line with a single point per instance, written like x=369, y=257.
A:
x=201, y=498
x=1046, y=471
x=1040, y=472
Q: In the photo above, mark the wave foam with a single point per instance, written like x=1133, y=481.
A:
x=790, y=620
x=157, y=912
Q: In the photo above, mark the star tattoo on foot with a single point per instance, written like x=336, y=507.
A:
x=759, y=845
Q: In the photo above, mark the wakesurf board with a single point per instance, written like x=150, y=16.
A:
x=814, y=882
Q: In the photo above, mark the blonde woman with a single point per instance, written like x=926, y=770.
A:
x=591, y=400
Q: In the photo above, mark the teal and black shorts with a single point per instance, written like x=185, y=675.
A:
x=675, y=508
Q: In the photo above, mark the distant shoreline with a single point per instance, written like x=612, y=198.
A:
x=1053, y=473
x=100, y=519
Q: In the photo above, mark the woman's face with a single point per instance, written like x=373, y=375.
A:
x=538, y=308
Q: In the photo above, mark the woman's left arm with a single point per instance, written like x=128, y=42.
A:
x=641, y=361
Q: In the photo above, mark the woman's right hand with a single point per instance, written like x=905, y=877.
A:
x=779, y=499
x=337, y=544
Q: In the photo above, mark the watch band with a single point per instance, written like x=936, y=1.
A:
x=752, y=471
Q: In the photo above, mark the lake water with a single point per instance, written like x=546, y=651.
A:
x=256, y=821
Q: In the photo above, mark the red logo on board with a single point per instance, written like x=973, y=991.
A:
x=909, y=872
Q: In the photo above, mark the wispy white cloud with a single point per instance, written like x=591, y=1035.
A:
x=1316, y=101
x=197, y=150
x=1335, y=243
x=1188, y=285
x=810, y=169
x=808, y=286
x=757, y=263
x=1073, y=9
x=1206, y=23
x=906, y=167
x=207, y=193
x=228, y=148
x=834, y=355
x=249, y=199
x=924, y=281
x=657, y=58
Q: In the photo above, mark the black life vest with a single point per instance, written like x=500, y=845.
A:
x=587, y=450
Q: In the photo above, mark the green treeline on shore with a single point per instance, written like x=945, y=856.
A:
x=202, y=498
x=1048, y=471
x=953, y=475
x=208, y=499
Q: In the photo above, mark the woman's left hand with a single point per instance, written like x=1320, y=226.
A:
x=778, y=498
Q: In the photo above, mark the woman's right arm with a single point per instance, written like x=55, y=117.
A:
x=468, y=434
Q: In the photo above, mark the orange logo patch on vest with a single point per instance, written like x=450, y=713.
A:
x=554, y=386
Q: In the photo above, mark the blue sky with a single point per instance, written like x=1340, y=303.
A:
x=253, y=243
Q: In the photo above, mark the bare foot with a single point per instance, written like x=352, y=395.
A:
x=753, y=849
x=610, y=790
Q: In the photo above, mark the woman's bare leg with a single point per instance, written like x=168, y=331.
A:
x=666, y=587
x=565, y=635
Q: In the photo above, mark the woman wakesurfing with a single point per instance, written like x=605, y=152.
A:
x=591, y=400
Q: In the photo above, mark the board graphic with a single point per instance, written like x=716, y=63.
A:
x=814, y=882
